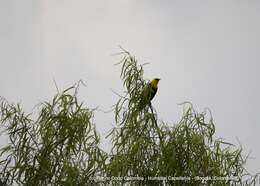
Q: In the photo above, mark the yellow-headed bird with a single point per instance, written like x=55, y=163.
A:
x=154, y=87
x=149, y=93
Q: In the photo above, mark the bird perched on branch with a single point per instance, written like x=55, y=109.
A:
x=148, y=93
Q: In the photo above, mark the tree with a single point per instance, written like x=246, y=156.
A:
x=59, y=145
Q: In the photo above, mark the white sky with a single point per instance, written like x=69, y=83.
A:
x=206, y=52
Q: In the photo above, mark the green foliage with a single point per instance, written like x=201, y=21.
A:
x=59, y=145
x=136, y=145
x=188, y=150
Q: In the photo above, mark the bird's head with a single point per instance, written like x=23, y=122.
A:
x=155, y=82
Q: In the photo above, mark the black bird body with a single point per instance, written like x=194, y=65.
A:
x=153, y=92
x=148, y=93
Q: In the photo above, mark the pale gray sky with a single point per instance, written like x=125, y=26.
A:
x=206, y=52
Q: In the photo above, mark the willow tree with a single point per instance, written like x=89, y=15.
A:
x=147, y=151
x=59, y=147
x=58, y=143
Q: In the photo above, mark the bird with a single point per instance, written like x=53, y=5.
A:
x=148, y=93
x=154, y=87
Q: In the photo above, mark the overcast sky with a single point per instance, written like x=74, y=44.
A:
x=206, y=52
